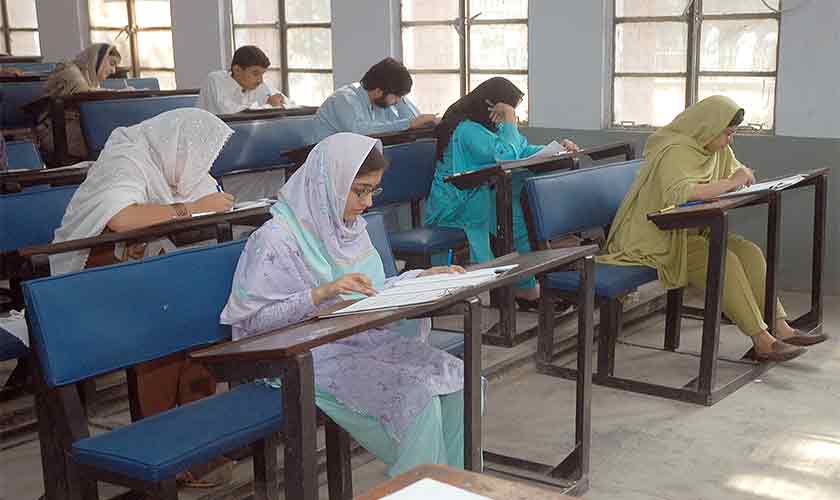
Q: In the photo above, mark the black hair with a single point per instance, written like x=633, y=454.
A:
x=388, y=75
x=737, y=119
x=249, y=55
x=374, y=162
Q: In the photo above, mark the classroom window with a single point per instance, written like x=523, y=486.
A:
x=142, y=32
x=296, y=35
x=450, y=47
x=669, y=54
x=19, y=28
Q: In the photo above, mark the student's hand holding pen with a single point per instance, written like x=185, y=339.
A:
x=501, y=112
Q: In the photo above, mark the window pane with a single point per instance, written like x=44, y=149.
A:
x=499, y=9
x=310, y=89
x=154, y=48
x=738, y=6
x=268, y=39
x=306, y=11
x=520, y=81
x=152, y=13
x=651, y=47
x=635, y=8
x=107, y=14
x=273, y=78
x=435, y=93
x=309, y=47
x=430, y=47
x=166, y=78
x=739, y=45
x=755, y=94
x=25, y=43
x=254, y=12
x=429, y=10
x=22, y=13
x=503, y=46
x=108, y=36
x=648, y=101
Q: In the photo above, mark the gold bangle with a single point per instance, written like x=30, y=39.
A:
x=180, y=210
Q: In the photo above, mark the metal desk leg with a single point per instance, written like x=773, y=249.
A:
x=716, y=267
x=774, y=217
x=812, y=320
x=472, y=386
x=300, y=464
x=506, y=329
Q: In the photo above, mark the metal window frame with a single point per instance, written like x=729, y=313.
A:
x=694, y=19
x=282, y=27
x=132, y=31
x=7, y=29
x=465, y=69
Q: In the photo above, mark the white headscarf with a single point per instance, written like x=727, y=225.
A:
x=163, y=160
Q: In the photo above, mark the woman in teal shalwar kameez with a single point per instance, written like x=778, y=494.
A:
x=475, y=132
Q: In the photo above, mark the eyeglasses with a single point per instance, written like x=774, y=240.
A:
x=363, y=192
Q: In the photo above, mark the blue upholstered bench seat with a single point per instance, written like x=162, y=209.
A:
x=610, y=281
x=427, y=240
x=451, y=342
x=10, y=346
x=159, y=447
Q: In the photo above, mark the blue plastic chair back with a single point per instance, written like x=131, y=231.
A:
x=100, y=118
x=262, y=144
x=568, y=202
x=379, y=237
x=104, y=319
x=31, y=217
x=15, y=96
x=409, y=176
x=23, y=155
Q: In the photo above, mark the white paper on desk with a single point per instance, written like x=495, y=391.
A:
x=760, y=187
x=448, y=281
x=551, y=149
x=383, y=302
x=246, y=205
x=427, y=489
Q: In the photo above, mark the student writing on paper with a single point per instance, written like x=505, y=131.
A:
x=375, y=105
x=242, y=87
x=690, y=159
x=85, y=73
x=394, y=393
x=476, y=131
x=146, y=174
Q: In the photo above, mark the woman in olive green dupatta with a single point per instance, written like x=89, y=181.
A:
x=689, y=160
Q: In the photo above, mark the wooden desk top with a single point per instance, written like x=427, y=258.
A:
x=476, y=178
x=149, y=233
x=299, y=155
x=261, y=114
x=480, y=484
x=692, y=216
x=25, y=178
x=295, y=339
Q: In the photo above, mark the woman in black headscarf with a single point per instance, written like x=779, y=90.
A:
x=477, y=131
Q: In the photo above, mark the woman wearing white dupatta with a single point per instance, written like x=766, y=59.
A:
x=394, y=393
x=147, y=174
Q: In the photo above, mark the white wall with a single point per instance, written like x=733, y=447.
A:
x=808, y=103
x=362, y=35
x=60, y=24
x=201, y=38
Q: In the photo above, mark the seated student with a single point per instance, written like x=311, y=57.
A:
x=150, y=173
x=477, y=131
x=374, y=105
x=225, y=92
x=394, y=393
x=690, y=159
x=85, y=73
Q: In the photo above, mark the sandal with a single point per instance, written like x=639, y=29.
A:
x=218, y=476
x=525, y=305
